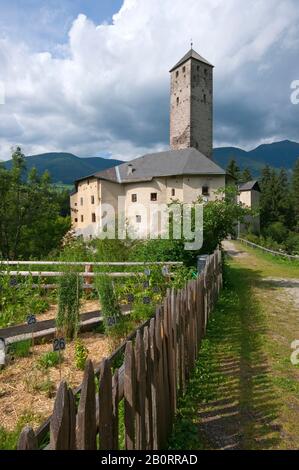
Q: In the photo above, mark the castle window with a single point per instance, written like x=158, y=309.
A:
x=76, y=204
x=205, y=191
x=138, y=219
x=88, y=182
x=82, y=218
x=134, y=197
x=177, y=74
x=173, y=192
x=177, y=100
x=154, y=196
x=93, y=217
x=206, y=71
x=81, y=201
x=92, y=199
x=184, y=69
x=76, y=220
x=197, y=68
x=204, y=98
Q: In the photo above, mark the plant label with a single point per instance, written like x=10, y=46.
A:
x=146, y=300
x=165, y=271
x=131, y=297
x=59, y=344
x=146, y=285
x=31, y=320
x=147, y=272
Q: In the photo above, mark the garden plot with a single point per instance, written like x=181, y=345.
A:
x=27, y=385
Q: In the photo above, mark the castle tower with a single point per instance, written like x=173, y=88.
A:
x=191, y=104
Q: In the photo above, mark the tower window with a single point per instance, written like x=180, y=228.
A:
x=173, y=192
x=184, y=69
x=205, y=191
x=177, y=74
x=138, y=219
x=197, y=68
x=92, y=199
x=204, y=98
x=134, y=197
x=76, y=220
x=81, y=201
x=93, y=217
x=154, y=196
x=82, y=218
x=177, y=100
x=206, y=71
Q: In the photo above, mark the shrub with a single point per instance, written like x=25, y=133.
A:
x=81, y=354
x=109, y=302
x=48, y=359
x=277, y=232
x=21, y=349
x=69, y=296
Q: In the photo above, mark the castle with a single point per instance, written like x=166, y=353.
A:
x=184, y=173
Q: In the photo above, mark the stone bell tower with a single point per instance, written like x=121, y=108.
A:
x=191, y=104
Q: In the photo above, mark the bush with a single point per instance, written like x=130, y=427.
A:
x=277, y=232
x=48, y=359
x=81, y=354
x=109, y=302
x=69, y=296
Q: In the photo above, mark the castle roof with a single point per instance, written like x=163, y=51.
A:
x=168, y=163
x=250, y=186
x=192, y=54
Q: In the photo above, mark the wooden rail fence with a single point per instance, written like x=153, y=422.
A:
x=158, y=362
x=267, y=250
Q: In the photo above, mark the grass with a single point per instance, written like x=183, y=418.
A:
x=21, y=349
x=244, y=390
x=48, y=359
x=9, y=439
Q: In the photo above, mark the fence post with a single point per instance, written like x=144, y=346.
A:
x=148, y=394
x=140, y=392
x=27, y=440
x=63, y=421
x=105, y=407
x=86, y=418
x=130, y=396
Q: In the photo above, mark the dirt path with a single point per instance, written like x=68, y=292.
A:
x=245, y=391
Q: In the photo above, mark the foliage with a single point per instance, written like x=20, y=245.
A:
x=18, y=299
x=30, y=221
x=20, y=349
x=69, y=296
x=233, y=169
x=108, y=299
x=9, y=439
x=81, y=354
x=48, y=359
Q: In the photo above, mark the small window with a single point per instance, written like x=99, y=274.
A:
x=173, y=192
x=197, y=68
x=76, y=204
x=177, y=100
x=204, y=98
x=205, y=191
x=206, y=71
x=88, y=182
x=134, y=198
x=177, y=74
x=76, y=220
x=82, y=218
x=93, y=217
x=81, y=201
x=154, y=196
x=184, y=69
x=92, y=199
x=138, y=219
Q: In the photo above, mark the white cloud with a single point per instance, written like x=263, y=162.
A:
x=109, y=91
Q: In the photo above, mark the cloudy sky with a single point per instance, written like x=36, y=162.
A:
x=91, y=77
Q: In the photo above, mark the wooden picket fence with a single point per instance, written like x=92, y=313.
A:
x=158, y=362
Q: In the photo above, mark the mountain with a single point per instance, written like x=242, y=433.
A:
x=278, y=154
x=65, y=167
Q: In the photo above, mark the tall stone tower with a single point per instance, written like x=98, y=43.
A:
x=191, y=104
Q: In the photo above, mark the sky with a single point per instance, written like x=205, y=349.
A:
x=92, y=77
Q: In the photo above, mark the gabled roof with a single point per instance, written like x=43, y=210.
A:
x=168, y=163
x=192, y=54
x=250, y=186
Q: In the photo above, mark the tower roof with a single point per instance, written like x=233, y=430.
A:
x=192, y=54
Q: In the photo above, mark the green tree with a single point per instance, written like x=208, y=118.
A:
x=295, y=191
x=233, y=170
x=30, y=220
x=246, y=176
